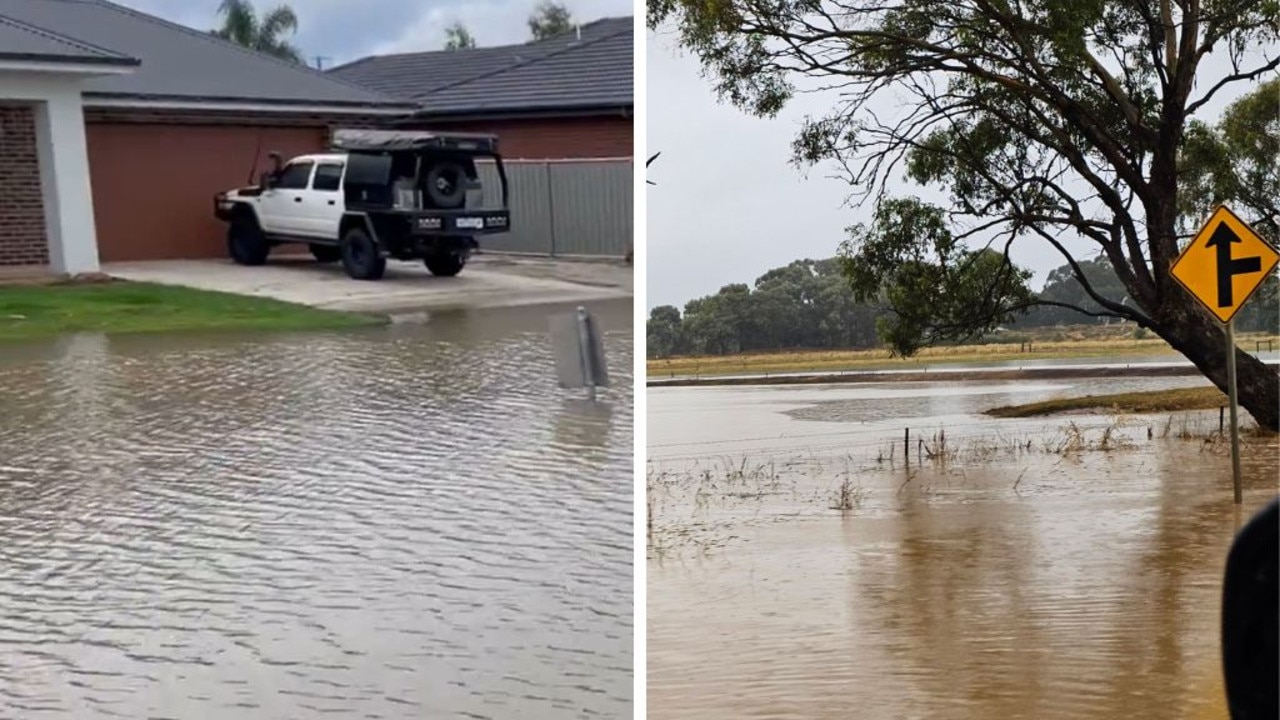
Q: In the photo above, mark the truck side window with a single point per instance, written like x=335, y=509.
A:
x=295, y=176
x=328, y=177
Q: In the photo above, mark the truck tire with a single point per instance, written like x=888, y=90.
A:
x=445, y=264
x=360, y=256
x=446, y=185
x=326, y=253
x=245, y=242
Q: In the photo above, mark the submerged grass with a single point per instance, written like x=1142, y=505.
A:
x=28, y=312
x=696, y=509
x=1153, y=401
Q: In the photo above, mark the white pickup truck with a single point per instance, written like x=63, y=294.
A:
x=380, y=195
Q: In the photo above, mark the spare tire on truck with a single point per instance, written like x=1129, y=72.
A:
x=446, y=185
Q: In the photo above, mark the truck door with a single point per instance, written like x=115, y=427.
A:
x=280, y=208
x=323, y=204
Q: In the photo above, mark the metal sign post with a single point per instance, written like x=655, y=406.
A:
x=584, y=352
x=579, y=352
x=1234, y=401
x=1221, y=268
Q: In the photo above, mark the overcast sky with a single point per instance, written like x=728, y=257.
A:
x=345, y=30
x=728, y=205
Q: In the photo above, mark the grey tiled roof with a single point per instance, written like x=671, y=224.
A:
x=588, y=70
x=414, y=76
x=20, y=41
x=184, y=64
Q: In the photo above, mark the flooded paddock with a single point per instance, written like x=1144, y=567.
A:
x=1064, y=567
x=401, y=522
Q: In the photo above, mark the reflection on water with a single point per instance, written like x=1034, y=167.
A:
x=402, y=522
x=1023, y=584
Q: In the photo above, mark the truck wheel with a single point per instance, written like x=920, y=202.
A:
x=326, y=253
x=445, y=264
x=360, y=256
x=245, y=241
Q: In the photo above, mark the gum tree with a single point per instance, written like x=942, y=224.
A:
x=1041, y=120
x=458, y=37
x=549, y=19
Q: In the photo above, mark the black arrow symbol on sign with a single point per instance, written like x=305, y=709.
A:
x=1229, y=267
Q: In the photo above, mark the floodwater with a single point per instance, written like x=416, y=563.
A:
x=1064, y=567
x=400, y=522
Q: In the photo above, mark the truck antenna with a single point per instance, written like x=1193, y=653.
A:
x=257, y=150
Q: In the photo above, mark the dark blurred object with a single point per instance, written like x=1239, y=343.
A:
x=646, y=164
x=1251, y=619
x=650, y=162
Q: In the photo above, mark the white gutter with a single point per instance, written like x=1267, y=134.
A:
x=66, y=68
x=246, y=107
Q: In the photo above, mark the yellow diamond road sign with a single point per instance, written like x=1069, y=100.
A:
x=1224, y=264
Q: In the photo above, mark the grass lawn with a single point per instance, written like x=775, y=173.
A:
x=1048, y=346
x=803, y=361
x=1200, y=398
x=125, y=307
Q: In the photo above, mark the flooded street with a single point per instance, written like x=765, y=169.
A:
x=401, y=522
x=1065, y=567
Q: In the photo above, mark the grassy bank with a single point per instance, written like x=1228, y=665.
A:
x=124, y=307
x=1056, y=345
x=1200, y=398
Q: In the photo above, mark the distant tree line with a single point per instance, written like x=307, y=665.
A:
x=809, y=304
x=806, y=304
x=1262, y=314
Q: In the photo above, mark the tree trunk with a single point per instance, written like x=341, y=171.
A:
x=1204, y=342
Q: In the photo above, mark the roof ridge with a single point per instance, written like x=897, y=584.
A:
x=62, y=38
x=210, y=37
x=578, y=27
x=508, y=46
x=416, y=53
x=530, y=61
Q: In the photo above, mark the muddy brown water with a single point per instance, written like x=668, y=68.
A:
x=401, y=522
x=1031, y=569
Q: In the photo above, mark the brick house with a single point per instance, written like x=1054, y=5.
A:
x=570, y=96
x=117, y=127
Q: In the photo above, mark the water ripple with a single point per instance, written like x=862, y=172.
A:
x=390, y=524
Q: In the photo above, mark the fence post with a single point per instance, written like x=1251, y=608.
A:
x=551, y=206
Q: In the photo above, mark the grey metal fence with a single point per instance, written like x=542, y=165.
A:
x=564, y=207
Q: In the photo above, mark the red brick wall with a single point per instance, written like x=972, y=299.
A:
x=22, y=233
x=552, y=138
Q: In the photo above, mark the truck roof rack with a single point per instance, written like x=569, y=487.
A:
x=410, y=140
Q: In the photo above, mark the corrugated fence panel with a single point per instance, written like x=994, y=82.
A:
x=530, y=203
x=592, y=207
x=563, y=208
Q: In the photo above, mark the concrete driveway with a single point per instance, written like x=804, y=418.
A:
x=488, y=281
